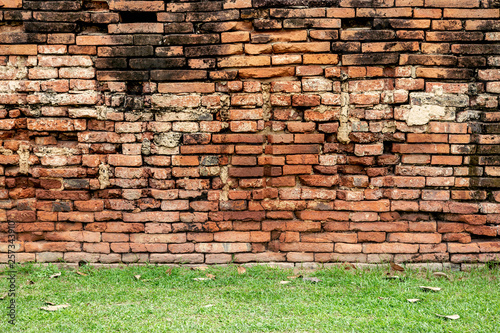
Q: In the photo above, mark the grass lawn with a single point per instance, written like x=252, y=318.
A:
x=113, y=300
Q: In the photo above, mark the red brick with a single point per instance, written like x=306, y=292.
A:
x=390, y=248
x=471, y=13
x=456, y=4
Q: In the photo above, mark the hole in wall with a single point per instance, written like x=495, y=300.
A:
x=137, y=17
x=357, y=23
x=381, y=24
x=134, y=88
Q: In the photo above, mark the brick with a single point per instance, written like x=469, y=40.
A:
x=311, y=47
x=384, y=12
x=427, y=13
x=390, y=47
x=213, y=50
x=26, y=49
x=314, y=23
x=390, y=248
x=150, y=6
x=414, y=237
x=234, y=37
x=444, y=72
x=457, y=4
x=187, y=87
x=340, y=12
x=178, y=75
x=124, y=160
x=245, y=61
x=124, y=51
x=266, y=72
x=454, y=36
x=11, y=3
x=370, y=59
x=280, y=36
x=131, y=28
x=471, y=13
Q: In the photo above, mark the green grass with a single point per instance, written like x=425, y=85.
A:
x=112, y=300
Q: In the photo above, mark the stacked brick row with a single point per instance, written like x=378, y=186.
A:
x=250, y=131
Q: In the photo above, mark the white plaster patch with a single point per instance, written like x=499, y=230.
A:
x=422, y=114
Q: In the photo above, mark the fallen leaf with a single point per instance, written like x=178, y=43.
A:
x=413, y=300
x=441, y=274
x=137, y=277
x=348, y=266
x=3, y=296
x=49, y=303
x=55, y=275
x=210, y=276
x=242, y=270
x=201, y=268
x=311, y=279
x=452, y=317
x=383, y=297
x=201, y=279
x=54, y=307
x=285, y=282
x=396, y=267
x=208, y=306
x=168, y=271
x=294, y=277
x=80, y=273
x=424, y=288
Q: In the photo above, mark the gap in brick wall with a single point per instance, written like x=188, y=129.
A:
x=387, y=147
x=134, y=87
x=357, y=23
x=381, y=24
x=137, y=17
x=495, y=3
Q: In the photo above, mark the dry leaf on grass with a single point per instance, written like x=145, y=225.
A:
x=208, y=306
x=168, y=271
x=348, y=266
x=137, y=277
x=201, y=268
x=54, y=307
x=209, y=277
x=285, y=282
x=80, y=273
x=311, y=279
x=452, y=317
x=441, y=274
x=3, y=296
x=413, y=300
x=53, y=276
x=242, y=270
x=424, y=288
x=396, y=267
x=49, y=303
x=294, y=277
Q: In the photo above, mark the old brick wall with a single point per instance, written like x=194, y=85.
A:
x=250, y=130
